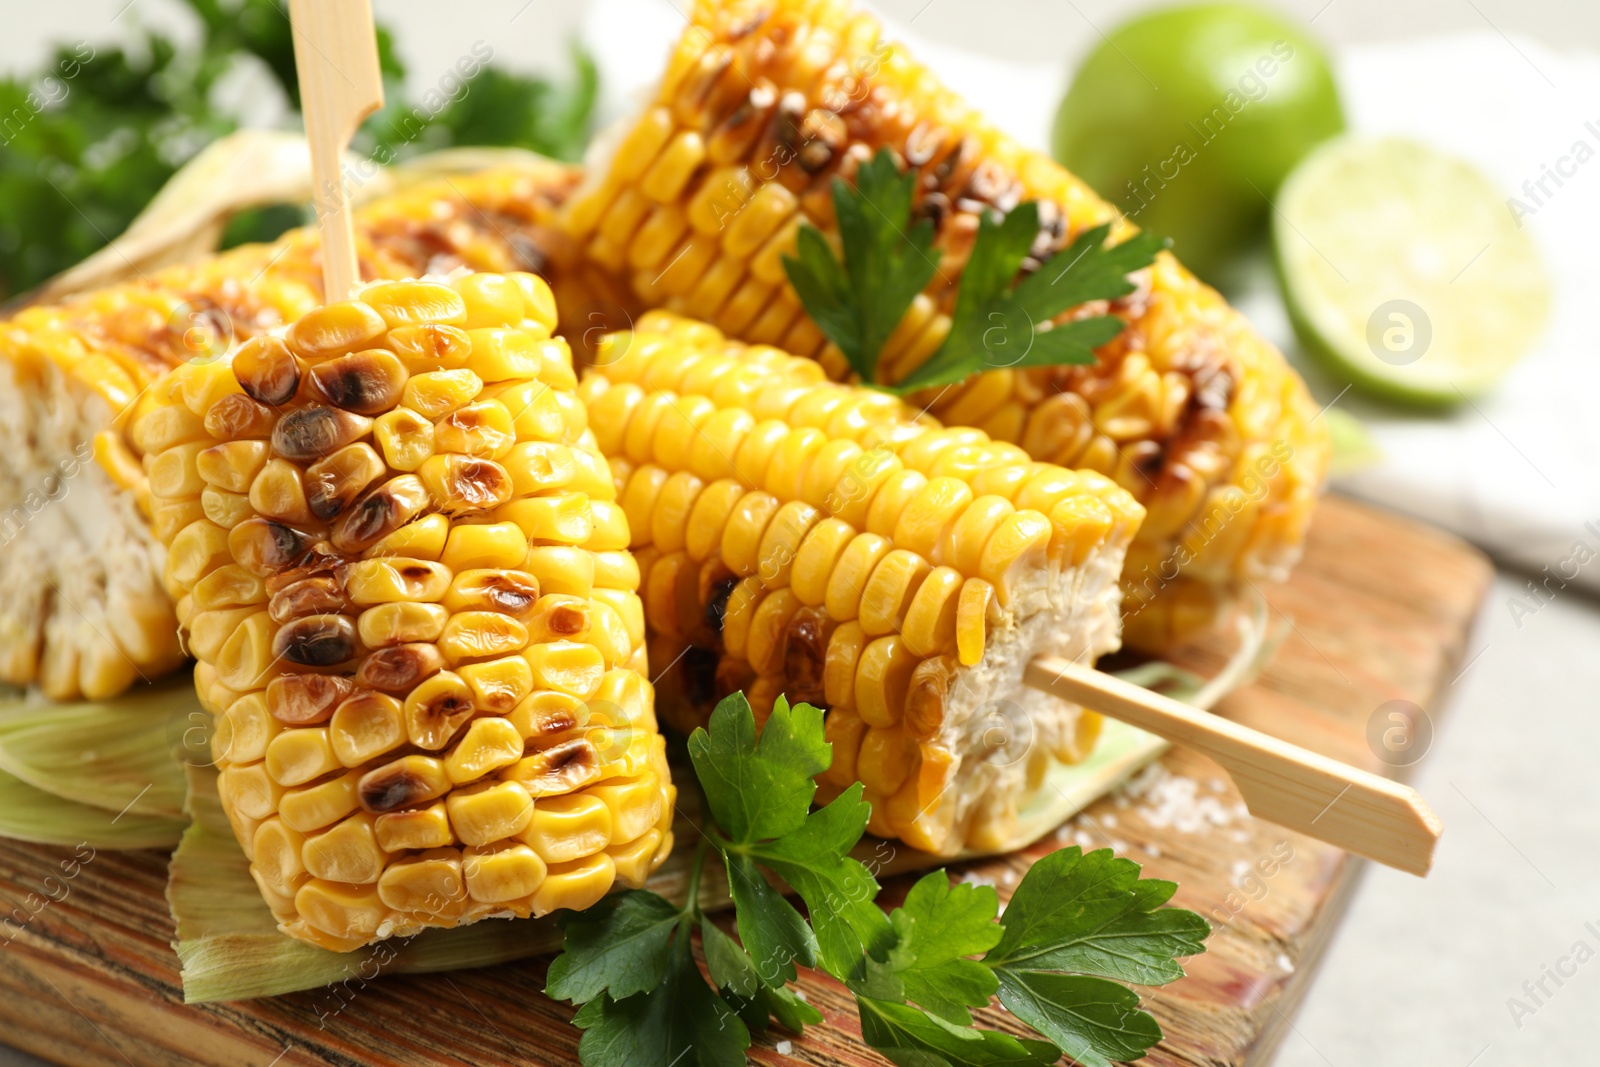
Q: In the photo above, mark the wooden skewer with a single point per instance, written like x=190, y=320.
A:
x=336, y=54
x=1353, y=809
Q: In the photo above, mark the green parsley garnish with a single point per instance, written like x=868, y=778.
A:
x=1077, y=927
x=859, y=299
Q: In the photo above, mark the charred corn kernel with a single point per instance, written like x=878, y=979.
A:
x=364, y=727
x=483, y=429
x=396, y=673
x=401, y=622
x=416, y=829
x=381, y=581
x=502, y=872
x=458, y=484
x=487, y=812
x=509, y=592
x=406, y=438
x=436, y=709
x=547, y=717
x=368, y=383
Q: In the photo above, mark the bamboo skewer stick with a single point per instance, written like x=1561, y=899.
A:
x=1353, y=809
x=336, y=54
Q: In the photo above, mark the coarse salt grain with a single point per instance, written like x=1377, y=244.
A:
x=1240, y=869
x=1083, y=840
x=783, y=1048
x=1285, y=963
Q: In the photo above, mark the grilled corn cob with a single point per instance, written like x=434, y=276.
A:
x=398, y=559
x=815, y=539
x=765, y=102
x=82, y=611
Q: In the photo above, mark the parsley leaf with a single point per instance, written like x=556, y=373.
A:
x=913, y=1038
x=996, y=325
x=759, y=787
x=773, y=931
x=936, y=929
x=1093, y=914
x=859, y=300
x=1093, y=1020
x=620, y=946
x=756, y=1000
x=839, y=891
x=680, y=1022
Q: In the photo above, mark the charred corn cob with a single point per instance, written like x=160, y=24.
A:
x=82, y=611
x=765, y=102
x=814, y=539
x=398, y=558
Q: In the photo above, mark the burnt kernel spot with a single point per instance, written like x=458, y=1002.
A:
x=236, y=415
x=472, y=483
x=267, y=371
x=399, y=668
x=699, y=673
x=561, y=768
x=381, y=512
x=308, y=596
x=305, y=699
x=264, y=545
x=717, y=604
x=805, y=655
x=554, y=724
x=525, y=250
x=316, y=641
x=368, y=383
x=392, y=788
x=309, y=433
x=568, y=620
x=733, y=676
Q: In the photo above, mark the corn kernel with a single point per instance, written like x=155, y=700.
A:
x=576, y=884
x=314, y=806
x=502, y=872
x=477, y=634
x=406, y=438
x=489, y=811
x=420, y=828
x=498, y=685
x=347, y=852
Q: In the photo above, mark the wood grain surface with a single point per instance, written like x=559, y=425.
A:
x=1379, y=611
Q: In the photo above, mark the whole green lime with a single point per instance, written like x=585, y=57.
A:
x=1190, y=118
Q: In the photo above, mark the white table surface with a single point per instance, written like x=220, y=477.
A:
x=1421, y=972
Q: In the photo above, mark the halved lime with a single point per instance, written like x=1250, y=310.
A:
x=1404, y=268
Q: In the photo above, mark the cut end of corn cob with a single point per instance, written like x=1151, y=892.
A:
x=819, y=540
x=402, y=569
x=82, y=611
x=765, y=102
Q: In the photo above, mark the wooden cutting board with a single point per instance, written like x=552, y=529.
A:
x=1380, y=610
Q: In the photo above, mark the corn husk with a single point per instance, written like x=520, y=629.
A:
x=30, y=814
x=115, y=755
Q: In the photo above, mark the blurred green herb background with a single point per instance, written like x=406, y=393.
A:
x=90, y=136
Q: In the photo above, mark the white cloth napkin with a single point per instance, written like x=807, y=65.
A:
x=1519, y=473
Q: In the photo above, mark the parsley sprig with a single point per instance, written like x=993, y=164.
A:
x=858, y=299
x=1077, y=928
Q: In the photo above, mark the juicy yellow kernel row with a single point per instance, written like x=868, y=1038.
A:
x=397, y=554
x=793, y=539
x=766, y=102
